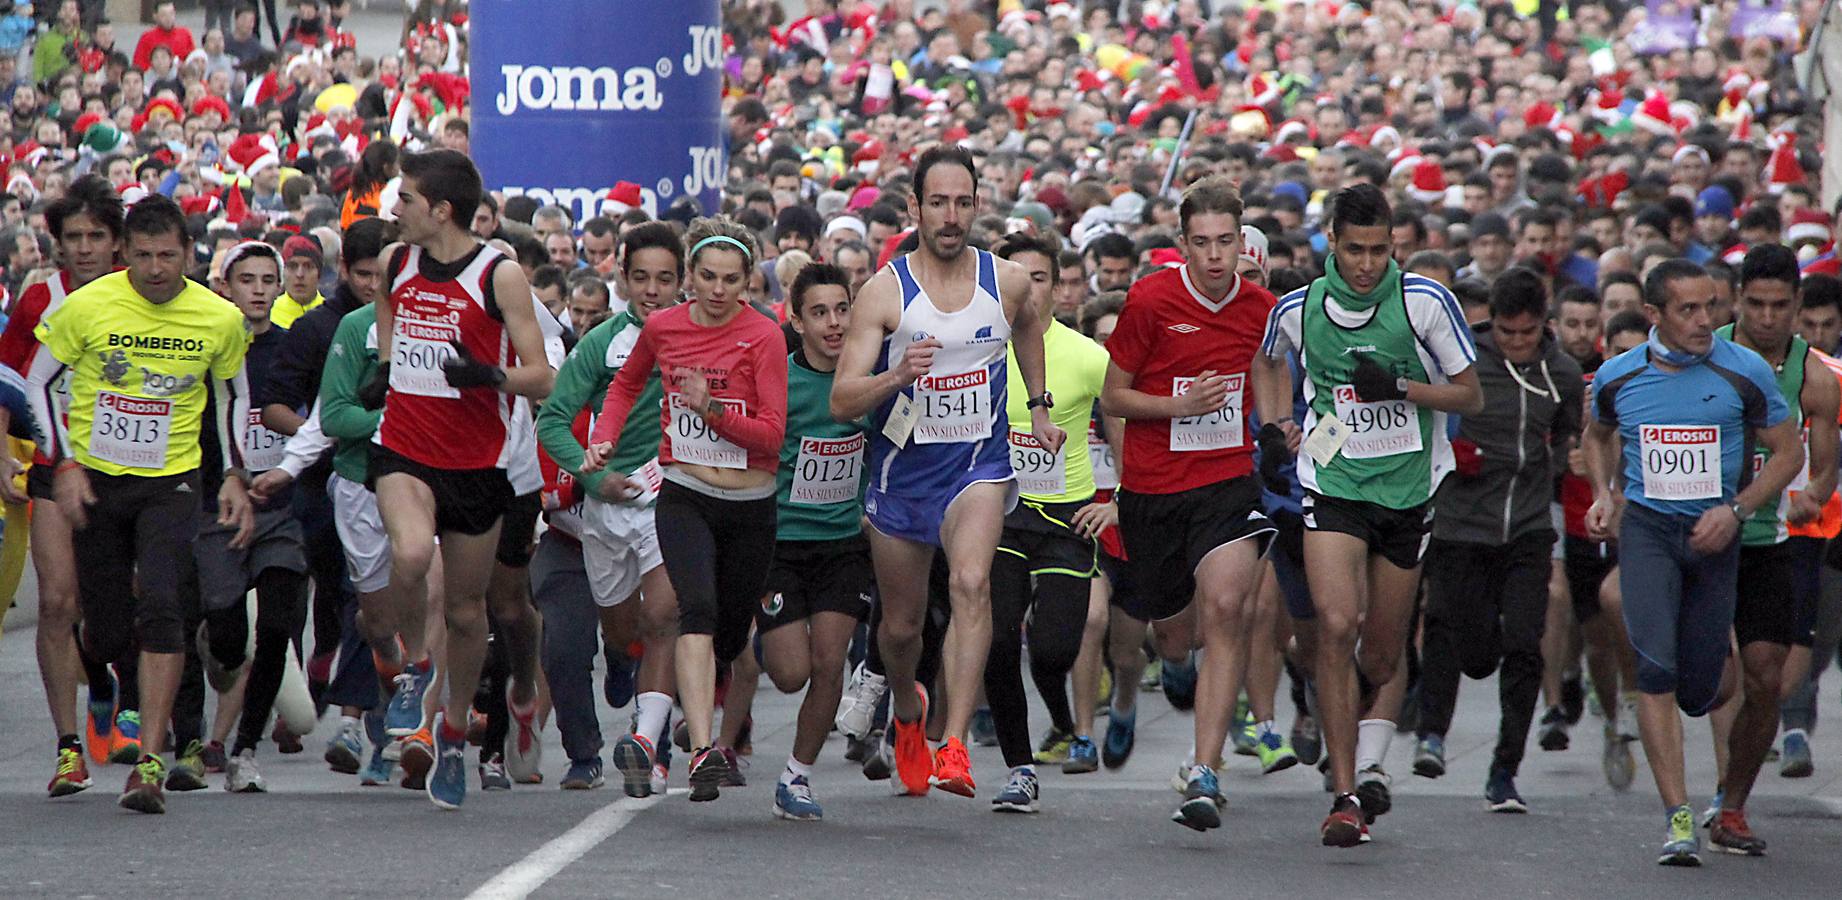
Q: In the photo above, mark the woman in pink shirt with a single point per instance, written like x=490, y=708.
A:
x=724, y=367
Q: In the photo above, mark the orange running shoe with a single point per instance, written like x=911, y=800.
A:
x=418, y=759
x=99, y=731
x=953, y=769
x=125, y=743
x=913, y=767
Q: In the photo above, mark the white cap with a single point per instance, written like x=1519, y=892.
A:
x=1253, y=246
x=846, y=223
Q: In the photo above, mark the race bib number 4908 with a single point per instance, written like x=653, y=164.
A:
x=1680, y=462
x=130, y=431
x=1382, y=428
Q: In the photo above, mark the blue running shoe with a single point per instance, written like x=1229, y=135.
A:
x=794, y=802
x=1179, y=684
x=984, y=728
x=1202, y=797
x=403, y=717
x=583, y=775
x=1795, y=759
x=1020, y=794
x=617, y=686
x=447, y=785
x=1083, y=756
x=1713, y=811
x=633, y=755
x=1680, y=845
x=379, y=769
x=1500, y=793
x=1121, y=734
x=1429, y=757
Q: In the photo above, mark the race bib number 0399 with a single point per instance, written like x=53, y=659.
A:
x=1038, y=471
x=1680, y=462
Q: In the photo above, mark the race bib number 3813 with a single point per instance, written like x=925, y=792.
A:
x=130, y=431
x=1680, y=462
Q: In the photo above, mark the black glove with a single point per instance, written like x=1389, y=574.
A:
x=1375, y=384
x=464, y=371
x=1274, y=457
x=371, y=392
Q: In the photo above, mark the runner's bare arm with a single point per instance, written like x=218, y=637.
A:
x=1787, y=458
x=1272, y=384
x=1027, y=330
x=1600, y=447
x=1462, y=395
x=386, y=304
x=878, y=311
x=532, y=377
x=1821, y=397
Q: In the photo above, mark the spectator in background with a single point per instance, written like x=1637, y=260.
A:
x=166, y=32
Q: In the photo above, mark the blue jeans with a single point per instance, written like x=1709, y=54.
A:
x=1678, y=606
x=572, y=637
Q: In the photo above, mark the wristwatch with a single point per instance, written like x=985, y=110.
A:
x=1045, y=400
x=1739, y=512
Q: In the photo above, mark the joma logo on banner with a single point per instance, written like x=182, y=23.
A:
x=581, y=88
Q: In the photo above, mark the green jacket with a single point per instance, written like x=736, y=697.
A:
x=582, y=383
x=349, y=361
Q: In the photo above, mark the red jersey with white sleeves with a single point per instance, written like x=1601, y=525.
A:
x=18, y=347
x=424, y=418
x=1169, y=334
x=745, y=363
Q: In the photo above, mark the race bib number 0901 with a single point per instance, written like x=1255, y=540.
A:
x=1680, y=462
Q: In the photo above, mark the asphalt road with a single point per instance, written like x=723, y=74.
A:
x=1104, y=834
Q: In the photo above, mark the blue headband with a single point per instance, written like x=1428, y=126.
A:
x=722, y=239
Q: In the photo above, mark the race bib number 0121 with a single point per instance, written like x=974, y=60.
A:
x=130, y=431
x=1680, y=462
x=828, y=471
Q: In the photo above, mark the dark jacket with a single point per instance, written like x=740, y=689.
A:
x=294, y=380
x=1531, y=413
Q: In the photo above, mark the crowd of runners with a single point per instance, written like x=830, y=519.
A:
x=1149, y=346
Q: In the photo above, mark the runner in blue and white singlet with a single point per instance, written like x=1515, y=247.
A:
x=960, y=435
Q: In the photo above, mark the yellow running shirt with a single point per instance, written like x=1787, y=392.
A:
x=140, y=372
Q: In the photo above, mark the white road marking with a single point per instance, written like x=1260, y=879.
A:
x=521, y=878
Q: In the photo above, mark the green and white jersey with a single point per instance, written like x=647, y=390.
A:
x=1767, y=526
x=1397, y=452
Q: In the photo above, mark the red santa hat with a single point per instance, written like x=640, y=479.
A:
x=1428, y=182
x=1262, y=89
x=1404, y=167
x=200, y=205
x=1540, y=115
x=1742, y=127
x=253, y=152
x=1087, y=80
x=624, y=195
x=1294, y=131
x=209, y=103
x=1808, y=225
x=1782, y=169
x=1733, y=255
x=1653, y=115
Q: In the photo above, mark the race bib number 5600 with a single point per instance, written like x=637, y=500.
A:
x=417, y=352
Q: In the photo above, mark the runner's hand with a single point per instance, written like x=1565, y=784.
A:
x=1375, y=384
x=1295, y=437
x=595, y=455
x=371, y=392
x=694, y=389
x=1046, y=432
x=464, y=370
x=269, y=484
x=233, y=508
x=917, y=360
x=1094, y=518
x=619, y=489
x=10, y=467
x=71, y=488
x=1275, y=455
x=1714, y=531
x=1208, y=393
x=1802, y=509
x=1602, y=518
